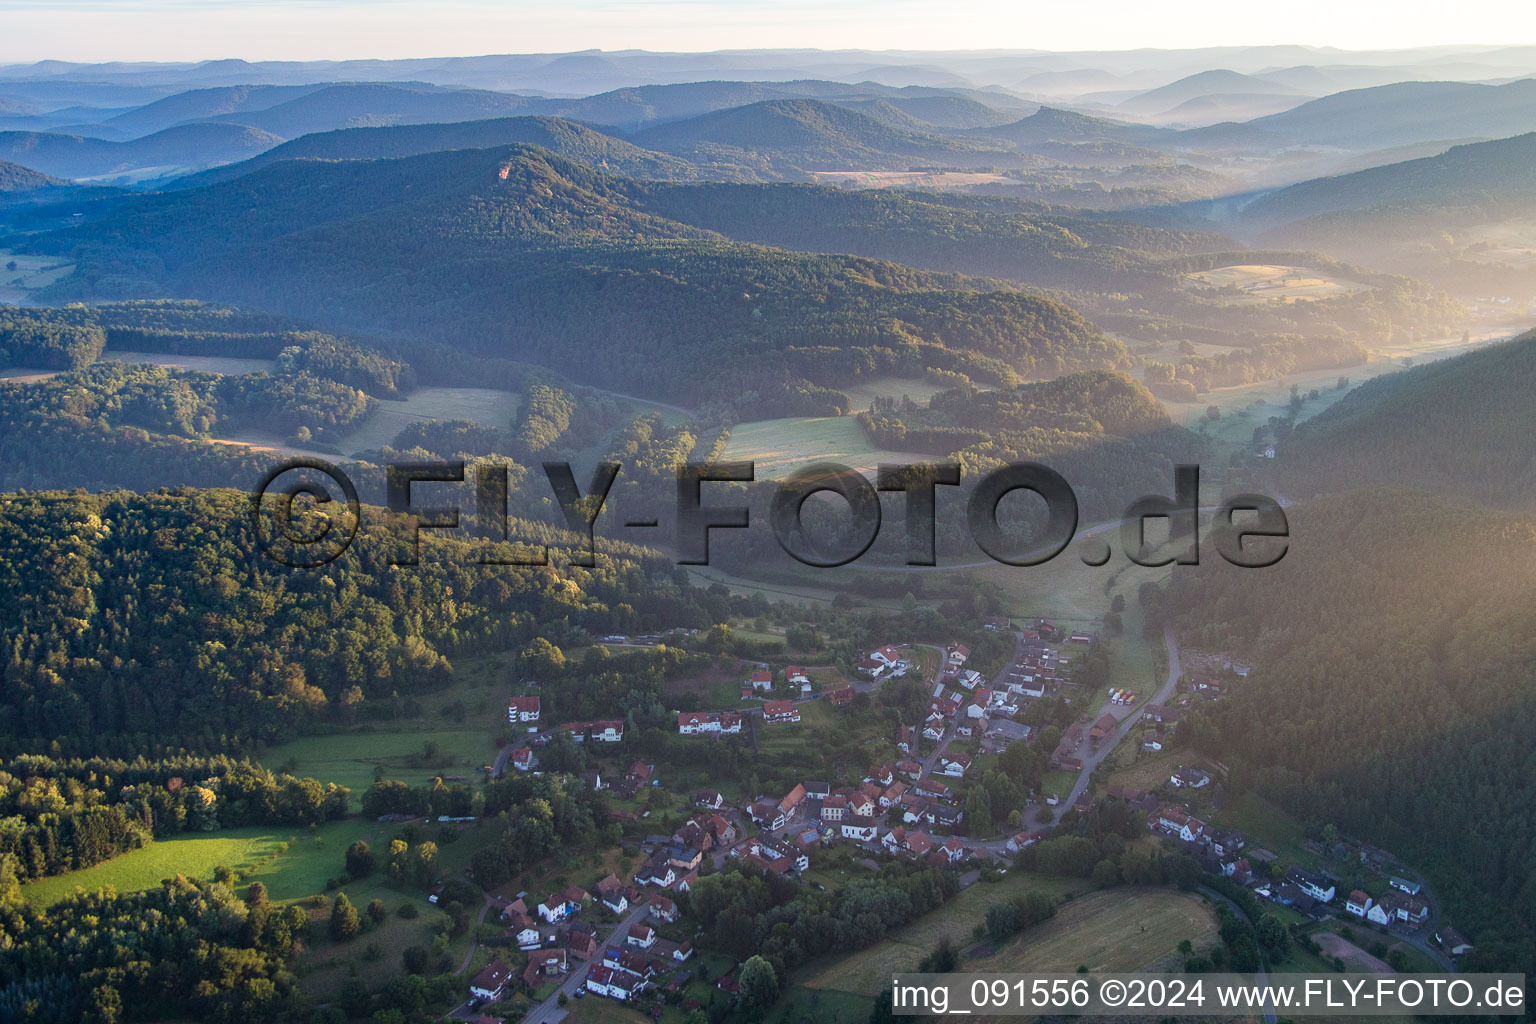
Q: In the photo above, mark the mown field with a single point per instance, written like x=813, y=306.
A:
x=349, y=759
x=229, y=365
x=1271, y=283
x=195, y=856
x=863, y=394
x=868, y=972
x=485, y=406
x=779, y=447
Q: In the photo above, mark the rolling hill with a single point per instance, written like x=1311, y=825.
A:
x=201, y=105
x=515, y=252
x=173, y=151
x=567, y=138
x=353, y=105
x=810, y=135
x=1203, y=85
x=1056, y=125
x=16, y=180
x=1499, y=172
x=1389, y=115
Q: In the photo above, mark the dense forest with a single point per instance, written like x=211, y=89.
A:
x=184, y=949
x=1391, y=693
x=63, y=815
x=1102, y=431
x=156, y=617
x=1460, y=427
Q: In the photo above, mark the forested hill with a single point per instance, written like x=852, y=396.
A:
x=156, y=617
x=1460, y=427
x=1393, y=692
x=994, y=237
x=573, y=141
x=517, y=253
x=806, y=134
x=16, y=179
x=1491, y=175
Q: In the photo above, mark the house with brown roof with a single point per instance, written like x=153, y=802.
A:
x=491, y=982
x=523, y=710
x=1103, y=728
x=611, y=891
x=841, y=696
x=662, y=908
x=641, y=935
x=775, y=711
x=544, y=964
x=581, y=941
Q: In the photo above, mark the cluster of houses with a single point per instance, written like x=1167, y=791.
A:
x=1307, y=892
x=555, y=938
x=526, y=712
x=796, y=678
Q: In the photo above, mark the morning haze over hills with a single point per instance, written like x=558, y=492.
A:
x=499, y=777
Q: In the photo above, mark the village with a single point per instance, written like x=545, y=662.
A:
x=627, y=938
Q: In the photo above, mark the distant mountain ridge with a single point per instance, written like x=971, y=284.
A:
x=567, y=138
x=809, y=135
x=174, y=150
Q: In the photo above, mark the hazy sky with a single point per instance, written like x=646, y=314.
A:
x=309, y=29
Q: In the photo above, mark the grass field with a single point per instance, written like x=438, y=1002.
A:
x=779, y=447
x=192, y=855
x=349, y=759
x=1111, y=930
x=910, y=179
x=1259, y=282
x=863, y=394
x=869, y=971
x=486, y=406
x=231, y=366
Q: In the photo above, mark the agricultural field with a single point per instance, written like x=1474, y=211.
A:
x=1510, y=243
x=21, y=275
x=485, y=406
x=1262, y=282
x=779, y=447
x=230, y=366
x=910, y=179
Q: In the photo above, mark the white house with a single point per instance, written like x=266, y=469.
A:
x=1316, y=886
x=523, y=710
x=859, y=828
x=642, y=935
x=1359, y=903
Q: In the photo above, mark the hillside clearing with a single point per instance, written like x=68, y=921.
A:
x=485, y=406
x=779, y=447
x=1262, y=282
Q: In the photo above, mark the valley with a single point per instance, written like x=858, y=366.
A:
x=473, y=774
